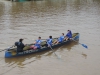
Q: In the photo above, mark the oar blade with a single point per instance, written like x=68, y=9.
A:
x=84, y=46
x=59, y=57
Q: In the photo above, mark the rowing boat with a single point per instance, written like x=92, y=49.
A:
x=12, y=51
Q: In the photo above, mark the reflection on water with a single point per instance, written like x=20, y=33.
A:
x=30, y=19
x=84, y=55
x=21, y=61
x=69, y=46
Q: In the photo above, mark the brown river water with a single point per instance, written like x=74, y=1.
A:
x=31, y=19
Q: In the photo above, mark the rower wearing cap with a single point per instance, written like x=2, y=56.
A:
x=20, y=45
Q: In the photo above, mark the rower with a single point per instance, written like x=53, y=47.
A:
x=68, y=35
x=49, y=41
x=37, y=44
x=60, y=39
x=20, y=45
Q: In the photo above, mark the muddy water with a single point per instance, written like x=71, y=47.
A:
x=31, y=19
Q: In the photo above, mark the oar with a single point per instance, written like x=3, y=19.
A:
x=85, y=46
x=7, y=48
x=54, y=52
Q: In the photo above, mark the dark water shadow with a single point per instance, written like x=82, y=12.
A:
x=37, y=56
x=69, y=46
x=84, y=55
x=32, y=57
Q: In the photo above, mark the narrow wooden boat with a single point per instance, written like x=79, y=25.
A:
x=12, y=52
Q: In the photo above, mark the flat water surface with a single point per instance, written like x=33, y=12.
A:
x=31, y=19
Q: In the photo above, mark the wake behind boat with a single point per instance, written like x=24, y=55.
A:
x=13, y=53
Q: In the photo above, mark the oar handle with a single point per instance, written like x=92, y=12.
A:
x=7, y=48
x=53, y=50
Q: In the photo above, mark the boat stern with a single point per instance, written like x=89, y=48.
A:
x=8, y=54
x=77, y=36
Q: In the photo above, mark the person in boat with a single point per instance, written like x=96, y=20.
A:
x=49, y=41
x=37, y=44
x=68, y=35
x=60, y=39
x=20, y=45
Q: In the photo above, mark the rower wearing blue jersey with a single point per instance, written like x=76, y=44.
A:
x=37, y=44
x=49, y=41
x=60, y=39
x=68, y=35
